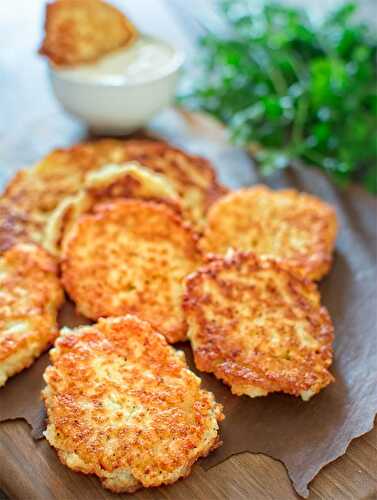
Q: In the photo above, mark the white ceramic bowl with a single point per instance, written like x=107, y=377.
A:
x=120, y=107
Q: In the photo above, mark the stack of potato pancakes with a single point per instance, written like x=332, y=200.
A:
x=149, y=245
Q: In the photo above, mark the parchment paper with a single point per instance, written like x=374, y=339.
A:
x=304, y=436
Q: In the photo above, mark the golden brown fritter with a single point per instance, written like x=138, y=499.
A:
x=259, y=327
x=123, y=405
x=33, y=195
x=131, y=256
x=81, y=31
x=128, y=180
x=285, y=224
x=30, y=295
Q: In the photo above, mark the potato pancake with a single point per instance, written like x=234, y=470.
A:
x=131, y=256
x=34, y=194
x=81, y=31
x=123, y=405
x=285, y=224
x=259, y=327
x=30, y=296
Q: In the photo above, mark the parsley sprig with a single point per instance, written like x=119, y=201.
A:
x=292, y=90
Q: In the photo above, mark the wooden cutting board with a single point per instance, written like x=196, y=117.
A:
x=30, y=124
x=31, y=471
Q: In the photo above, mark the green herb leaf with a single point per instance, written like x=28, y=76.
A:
x=293, y=90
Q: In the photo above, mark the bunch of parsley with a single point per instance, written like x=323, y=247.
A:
x=292, y=90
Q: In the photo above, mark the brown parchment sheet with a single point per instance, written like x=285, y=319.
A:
x=303, y=436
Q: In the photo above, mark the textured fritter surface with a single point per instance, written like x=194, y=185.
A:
x=34, y=193
x=192, y=177
x=123, y=405
x=30, y=295
x=128, y=180
x=131, y=256
x=79, y=31
x=259, y=327
x=285, y=224
x=15, y=225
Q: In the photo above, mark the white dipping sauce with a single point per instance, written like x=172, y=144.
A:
x=147, y=58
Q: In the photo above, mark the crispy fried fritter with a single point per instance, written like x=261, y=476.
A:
x=34, y=194
x=128, y=180
x=131, y=256
x=81, y=31
x=259, y=327
x=285, y=224
x=123, y=405
x=30, y=295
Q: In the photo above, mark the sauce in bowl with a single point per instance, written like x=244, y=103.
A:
x=146, y=59
x=123, y=90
